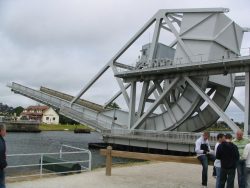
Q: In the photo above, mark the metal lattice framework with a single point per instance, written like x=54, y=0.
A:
x=201, y=31
x=191, y=80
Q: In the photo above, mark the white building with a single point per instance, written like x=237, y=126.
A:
x=44, y=114
x=50, y=116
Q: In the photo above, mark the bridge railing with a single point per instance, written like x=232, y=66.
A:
x=166, y=136
x=197, y=59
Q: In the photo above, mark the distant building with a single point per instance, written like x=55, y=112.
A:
x=50, y=116
x=44, y=114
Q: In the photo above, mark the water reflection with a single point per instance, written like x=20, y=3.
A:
x=50, y=142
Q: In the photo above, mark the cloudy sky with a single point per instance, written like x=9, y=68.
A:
x=61, y=44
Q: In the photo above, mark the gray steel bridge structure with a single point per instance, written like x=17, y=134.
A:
x=186, y=85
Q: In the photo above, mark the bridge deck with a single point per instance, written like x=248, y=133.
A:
x=67, y=97
x=225, y=66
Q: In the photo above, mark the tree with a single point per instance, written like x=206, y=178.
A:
x=65, y=120
x=113, y=105
x=5, y=110
x=18, y=110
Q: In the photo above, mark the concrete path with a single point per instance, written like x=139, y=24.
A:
x=152, y=175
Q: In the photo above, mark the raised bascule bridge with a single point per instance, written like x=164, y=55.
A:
x=174, y=91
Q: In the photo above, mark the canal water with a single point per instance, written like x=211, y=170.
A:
x=50, y=142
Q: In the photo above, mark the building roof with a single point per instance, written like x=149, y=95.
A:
x=37, y=108
x=31, y=114
x=34, y=111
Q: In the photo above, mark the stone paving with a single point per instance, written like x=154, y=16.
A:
x=152, y=175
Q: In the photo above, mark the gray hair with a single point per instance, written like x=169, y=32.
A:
x=2, y=127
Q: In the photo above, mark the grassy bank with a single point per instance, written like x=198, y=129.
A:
x=61, y=127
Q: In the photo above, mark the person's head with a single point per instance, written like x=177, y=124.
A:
x=239, y=134
x=220, y=137
x=2, y=130
x=206, y=135
x=228, y=137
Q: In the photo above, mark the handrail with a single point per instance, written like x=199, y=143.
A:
x=178, y=61
x=76, y=148
x=170, y=136
x=34, y=154
x=66, y=162
x=60, y=153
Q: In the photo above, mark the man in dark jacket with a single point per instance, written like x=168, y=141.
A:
x=3, y=162
x=228, y=154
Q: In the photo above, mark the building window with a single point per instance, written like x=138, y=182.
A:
x=54, y=118
x=47, y=118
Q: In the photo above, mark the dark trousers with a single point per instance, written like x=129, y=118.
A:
x=241, y=173
x=247, y=177
x=2, y=178
x=227, y=175
x=204, y=162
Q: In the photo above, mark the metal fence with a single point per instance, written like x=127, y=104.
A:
x=30, y=168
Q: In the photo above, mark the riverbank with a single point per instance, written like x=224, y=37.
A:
x=62, y=127
x=144, y=175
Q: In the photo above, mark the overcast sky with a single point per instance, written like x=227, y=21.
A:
x=62, y=44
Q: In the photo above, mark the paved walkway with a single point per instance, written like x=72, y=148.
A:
x=157, y=175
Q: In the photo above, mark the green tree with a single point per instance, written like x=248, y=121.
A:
x=65, y=120
x=18, y=110
x=113, y=105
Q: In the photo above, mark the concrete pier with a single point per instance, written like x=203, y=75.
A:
x=154, y=174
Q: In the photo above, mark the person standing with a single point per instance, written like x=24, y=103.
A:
x=204, y=154
x=217, y=163
x=241, y=142
x=3, y=162
x=246, y=156
x=228, y=154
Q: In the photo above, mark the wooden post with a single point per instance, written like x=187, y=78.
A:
x=108, y=161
